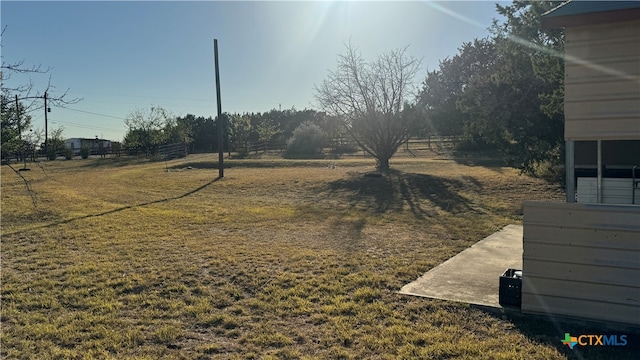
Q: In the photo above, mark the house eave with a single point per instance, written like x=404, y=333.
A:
x=579, y=13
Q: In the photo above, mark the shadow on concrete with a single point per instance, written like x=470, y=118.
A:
x=394, y=190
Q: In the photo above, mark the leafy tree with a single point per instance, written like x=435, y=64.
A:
x=443, y=88
x=307, y=140
x=148, y=129
x=56, y=143
x=13, y=124
x=199, y=131
x=333, y=127
x=505, y=91
x=544, y=47
x=178, y=130
x=524, y=95
x=249, y=128
x=267, y=126
x=369, y=98
x=240, y=130
x=291, y=119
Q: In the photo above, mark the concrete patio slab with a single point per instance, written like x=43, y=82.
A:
x=473, y=275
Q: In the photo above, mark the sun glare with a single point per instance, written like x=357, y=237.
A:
x=443, y=9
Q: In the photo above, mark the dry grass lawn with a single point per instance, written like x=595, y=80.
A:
x=280, y=259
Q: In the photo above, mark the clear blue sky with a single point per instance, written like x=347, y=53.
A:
x=119, y=56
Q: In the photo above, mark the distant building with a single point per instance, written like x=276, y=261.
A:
x=95, y=146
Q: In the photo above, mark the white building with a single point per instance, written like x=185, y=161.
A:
x=95, y=146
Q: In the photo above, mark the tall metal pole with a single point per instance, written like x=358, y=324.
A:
x=220, y=120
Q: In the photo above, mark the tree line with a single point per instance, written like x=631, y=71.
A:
x=150, y=128
x=503, y=92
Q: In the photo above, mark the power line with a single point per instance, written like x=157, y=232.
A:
x=93, y=113
x=179, y=102
x=85, y=126
x=128, y=96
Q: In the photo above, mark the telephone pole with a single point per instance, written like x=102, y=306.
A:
x=46, y=127
x=22, y=146
x=220, y=119
x=18, y=119
x=46, y=121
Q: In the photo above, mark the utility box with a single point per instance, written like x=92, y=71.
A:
x=511, y=288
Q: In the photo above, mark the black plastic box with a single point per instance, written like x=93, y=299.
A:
x=510, y=289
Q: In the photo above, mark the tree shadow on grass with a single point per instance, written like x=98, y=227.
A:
x=551, y=331
x=484, y=158
x=395, y=190
x=110, y=162
x=244, y=163
x=66, y=221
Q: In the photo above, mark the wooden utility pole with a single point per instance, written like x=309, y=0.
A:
x=18, y=119
x=22, y=147
x=46, y=127
x=220, y=119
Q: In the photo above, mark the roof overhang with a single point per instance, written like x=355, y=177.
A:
x=578, y=13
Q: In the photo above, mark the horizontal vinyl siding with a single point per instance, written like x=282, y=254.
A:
x=582, y=260
x=578, y=73
x=617, y=259
x=602, y=82
x=603, y=128
x=617, y=107
x=603, y=32
x=574, y=308
x=614, y=191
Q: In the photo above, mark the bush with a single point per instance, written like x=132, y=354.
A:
x=52, y=154
x=550, y=171
x=84, y=152
x=473, y=143
x=307, y=140
x=68, y=154
x=243, y=152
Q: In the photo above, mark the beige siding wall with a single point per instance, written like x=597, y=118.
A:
x=582, y=260
x=602, y=82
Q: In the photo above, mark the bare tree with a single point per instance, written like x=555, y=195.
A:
x=17, y=101
x=26, y=91
x=370, y=97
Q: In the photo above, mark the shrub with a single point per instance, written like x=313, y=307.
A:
x=52, y=154
x=243, y=152
x=473, y=143
x=68, y=154
x=307, y=140
x=84, y=152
